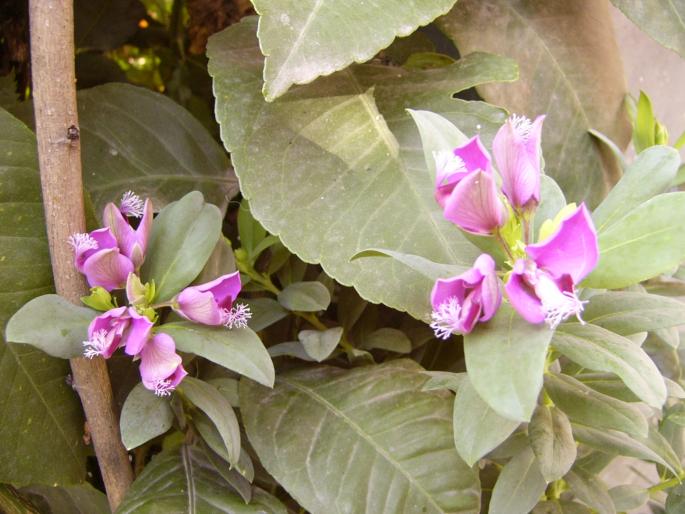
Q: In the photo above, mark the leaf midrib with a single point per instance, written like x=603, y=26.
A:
x=358, y=429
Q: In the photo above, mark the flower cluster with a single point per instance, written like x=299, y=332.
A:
x=111, y=258
x=541, y=282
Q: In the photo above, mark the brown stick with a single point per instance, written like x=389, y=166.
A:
x=59, y=153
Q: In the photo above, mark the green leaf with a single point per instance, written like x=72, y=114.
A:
x=629, y=313
x=389, y=339
x=563, y=50
x=250, y=231
x=661, y=19
x=644, y=124
x=303, y=40
x=675, y=503
x=551, y=440
x=628, y=497
x=591, y=408
x=183, y=237
x=265, y=312
x=511, y=391
x=609, y=384
x=185, y=481
x=653, y=448
x=209, y=400
x=477, y=428
x=598, y=349
x=591, y=490
x=429, y=269
x=144, y=416
x=305, y=296
x=76, y=499
x=444, y=380
x=237, y=349
x=320, y=344
x=319, y=424
x=651, y=173
x=642, y=244
x=35, y=400
x=51, y=324
x=616, y=152
x=519, y=486
x=307, y=143
x=133, y=138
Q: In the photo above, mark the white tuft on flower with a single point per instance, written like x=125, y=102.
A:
x=163, y=387
x=131, y=205
x=97, y=345
x=521, y=125
x=556, y=304
x=446, y=318
x=82, y=242
x=446, y=163
x=237, y=317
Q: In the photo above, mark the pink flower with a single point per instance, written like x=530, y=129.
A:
x=453, y=166
x=462, y=301
x=121, y=326
x=160, y=366
x=474, y=204
x=212, y=303
x=131, y=242
x=97, y=256
x=517, y=152
x=542, y=287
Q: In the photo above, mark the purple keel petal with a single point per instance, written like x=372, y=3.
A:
x=474, y=205
x=571, y=250
x=158, y=359
x=198, y=306
x=522, y=296
x=225, y=289
x=474, y=155
x=121, y=229
x=107, y=268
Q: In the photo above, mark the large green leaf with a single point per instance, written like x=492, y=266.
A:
x=551, y=440
x=365, y=440
x=511, y=391
x=651, y=173
x=308, y=38
x=629, y=313
x=62, y=329
x=133, y=138
x=477, y=428
x=570, y=70
x=300, y=163
x=237, y=349
x=75, y=499
x=518, y=486
x=663, y=20
x=598, y=349
x=185, y=481
x=42, y=419
x=642, y=244
x=143, y=417
x=182, y=239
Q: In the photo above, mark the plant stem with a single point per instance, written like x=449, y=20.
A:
x=667, y=484
x=504, y=245
x=59, y=154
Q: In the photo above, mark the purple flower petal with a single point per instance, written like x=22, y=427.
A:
x=137, y=333
x=225, y=289
x=522, y=296
x=517, y=152
x=474, y=205
x=107, y=268
x=474, y=155
x=158, y=359
x=453, y=166
x=571, y=250
x=198, y=306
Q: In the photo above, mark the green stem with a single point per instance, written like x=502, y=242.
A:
x=667, y=484
x=504, y=245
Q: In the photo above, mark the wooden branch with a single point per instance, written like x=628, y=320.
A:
x=59, y=154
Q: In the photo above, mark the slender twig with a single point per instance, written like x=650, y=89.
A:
x=59, y=153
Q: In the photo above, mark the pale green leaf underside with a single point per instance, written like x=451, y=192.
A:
x=663, y=20
x=135, y=139
x=365, y=440
x=303, y=39
x=336, y=167
x=35, y=400
x=183, y=480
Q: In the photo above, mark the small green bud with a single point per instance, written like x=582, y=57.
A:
x=99, y=299
x=241, y=255
x=661, y=134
